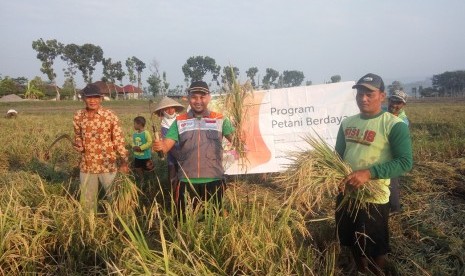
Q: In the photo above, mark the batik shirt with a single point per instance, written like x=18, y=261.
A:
x=102, y=139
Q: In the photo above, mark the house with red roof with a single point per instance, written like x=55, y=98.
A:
x=130, y=92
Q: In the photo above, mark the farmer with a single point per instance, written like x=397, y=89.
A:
x=11, y=113
x=377, y=146
x=168, y=109
x=100, y=140
x=396, y=104
x=199, y=133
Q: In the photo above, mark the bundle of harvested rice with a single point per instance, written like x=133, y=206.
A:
x=317, y=174
x=236, y=110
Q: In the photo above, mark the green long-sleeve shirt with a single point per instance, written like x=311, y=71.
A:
x=381, y=144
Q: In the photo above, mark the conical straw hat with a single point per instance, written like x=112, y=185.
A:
x=167, y=102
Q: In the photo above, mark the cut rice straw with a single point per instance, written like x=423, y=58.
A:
x=316, y=174
x=237, y=111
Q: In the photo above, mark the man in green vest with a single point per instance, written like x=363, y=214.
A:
x=377, y=146
x=199, y=132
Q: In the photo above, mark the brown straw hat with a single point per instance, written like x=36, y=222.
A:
x=167, y=102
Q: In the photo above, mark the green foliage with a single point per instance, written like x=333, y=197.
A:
x=112, y=71
x=428, y=92
x=155, y=84
x=450, y=83
x=32, y=92
x=251, y=73
x=293, y=78
x=270, y=77
x=335, y=78
x=10, y=86
x=139, y=66
x=69, y=89
x=70, y=55
x=130, y=65
x=88, y=57
x=47, y=51
x=197, y=67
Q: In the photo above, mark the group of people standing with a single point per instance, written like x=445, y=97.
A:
x=381, y=152
x=193, y=142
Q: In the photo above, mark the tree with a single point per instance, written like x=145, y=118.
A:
x=155, y=84
x=20, y=80
x=293, y=78
x=47, y=51
x=428, y=92
x=230, y=73
x=9, y=86
x=108, y=74
x=395, y=85
x=113, y=71
x=450, y=83
x=197, y=67
x=158, y=85
x=270, y=78
x=335, y=78
x=68, y=89
x=118, y=71
x=32, y=92
x=89, y=56
x=139, y=67
x=308, y=83
x=130, y=65
x=178, y=90
x=251, y=72
x=70, y=55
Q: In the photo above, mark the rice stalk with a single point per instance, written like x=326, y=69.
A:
x=237, y=111
x=124, y=195
x=315, y=175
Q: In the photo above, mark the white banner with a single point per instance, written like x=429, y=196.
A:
x=277, y=120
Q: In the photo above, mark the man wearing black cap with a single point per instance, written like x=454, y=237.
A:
x=377, y=146
x=100, y=140
x=200, y=154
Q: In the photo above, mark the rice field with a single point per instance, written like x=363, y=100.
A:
x=43, y=230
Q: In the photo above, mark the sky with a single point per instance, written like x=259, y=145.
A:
x=405, y=40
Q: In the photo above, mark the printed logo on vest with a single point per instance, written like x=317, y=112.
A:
x=186, y=125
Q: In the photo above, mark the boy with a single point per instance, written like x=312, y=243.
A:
x=141, y=143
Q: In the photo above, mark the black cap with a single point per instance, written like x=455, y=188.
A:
x=370, y=81
x=199, y=87
x=91, y=90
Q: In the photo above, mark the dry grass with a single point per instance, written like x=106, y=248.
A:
x=316, y=175
x=44, y=231
x=236, y=110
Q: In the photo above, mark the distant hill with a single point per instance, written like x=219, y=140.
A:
x=409, y=84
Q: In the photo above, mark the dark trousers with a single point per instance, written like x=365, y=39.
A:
x=199, y=192
x=394, y=197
